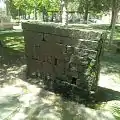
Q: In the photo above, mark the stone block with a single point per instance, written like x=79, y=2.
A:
x=69, y=54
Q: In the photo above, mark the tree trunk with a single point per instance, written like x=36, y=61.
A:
x=52, y=17
x=28, y=16
x=113, y=20
x=61, y=15
x=45, y=14
x=86, y=12
x=19, y=13
x=35, y=14
x=25, y=15
x=64, y=12
x=7, y=8
x=114, y=13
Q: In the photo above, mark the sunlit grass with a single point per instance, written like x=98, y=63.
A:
x=106, y=27
x=112, y=106
x=13, y=42
x=16, y=43
x=110, y=64
x=117, y=35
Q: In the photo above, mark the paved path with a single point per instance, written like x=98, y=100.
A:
x=23, y=101
x=20, y=100
x=27, y=102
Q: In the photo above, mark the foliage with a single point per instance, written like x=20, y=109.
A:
x=27, y=6
x=94, y=5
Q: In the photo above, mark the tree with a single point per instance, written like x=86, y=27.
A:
x=86, y=11
x=115, y=10
x=93, y=7
x=64, y=10
x=48, y=5
x=85, y=6
x=64, y=14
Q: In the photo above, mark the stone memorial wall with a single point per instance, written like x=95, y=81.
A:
x=65, y=57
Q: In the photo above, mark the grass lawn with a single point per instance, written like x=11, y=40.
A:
x=106, y=27
x=110, y=70
x=13, y=40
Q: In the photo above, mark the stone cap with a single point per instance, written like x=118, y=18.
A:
x=72, y=30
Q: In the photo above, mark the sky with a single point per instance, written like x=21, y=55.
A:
x=2, y=5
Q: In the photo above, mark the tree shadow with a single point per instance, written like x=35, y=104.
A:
x=8, y=104
x=10, y=56
x=110, y=63
x=102, y=94
x=9, y=59
x=69, y=108
x=52, y=107
x=78, y=96
x=105, y=94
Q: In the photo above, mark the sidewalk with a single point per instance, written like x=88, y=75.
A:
x=23, y=101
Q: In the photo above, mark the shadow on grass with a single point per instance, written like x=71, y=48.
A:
x=52, y=109
x=105, y=94
x=11, y=57
x=12, y=48
x=10, y=61
x=110, y=63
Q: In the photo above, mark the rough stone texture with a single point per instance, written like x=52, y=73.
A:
x=65, y=57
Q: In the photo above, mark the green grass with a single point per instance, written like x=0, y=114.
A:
x=110, y=63
x=109, y=99
x=13, y=41
x=101, y=27
x=106, y=27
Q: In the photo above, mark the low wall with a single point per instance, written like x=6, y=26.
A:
x=65, y=57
